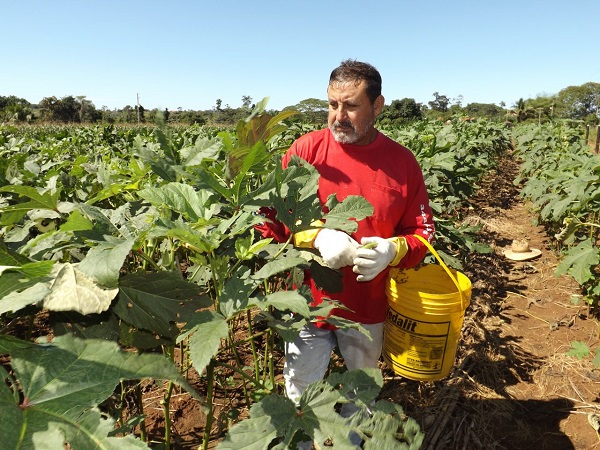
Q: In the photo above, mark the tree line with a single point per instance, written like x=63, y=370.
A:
x=580, y=103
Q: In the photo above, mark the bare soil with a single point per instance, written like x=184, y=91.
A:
x=513, y=386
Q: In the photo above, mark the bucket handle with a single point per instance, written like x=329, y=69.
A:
x=444, y=266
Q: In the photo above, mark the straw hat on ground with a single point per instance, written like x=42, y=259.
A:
x=520, y=251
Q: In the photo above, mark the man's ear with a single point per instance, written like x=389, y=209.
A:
x=378, y=105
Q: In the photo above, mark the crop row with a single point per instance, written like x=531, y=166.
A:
x=561, y=177
x=143, y=239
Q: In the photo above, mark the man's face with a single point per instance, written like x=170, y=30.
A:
x=351, y=113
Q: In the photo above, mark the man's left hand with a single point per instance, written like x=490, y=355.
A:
x=371, y=261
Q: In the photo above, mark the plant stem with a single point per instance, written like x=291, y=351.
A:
x=121, y=403
x=167, y=413
x=254, y=380
x=269, y=345
x=9, y=325
x=218, y=287
x=31, y=326
x=149, y=260
x=236, y=355
x=149, y=247
x=252, y=344
x=140, y=404
x=246, y=339
x=210, y=382
x=269, y=362
x=169, y=351
x=283, y=247
x=182, y=362
x=178, y=266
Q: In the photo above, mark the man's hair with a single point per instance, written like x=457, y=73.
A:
x=356, y=71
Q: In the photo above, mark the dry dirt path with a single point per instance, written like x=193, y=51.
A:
x=541, y=317
x=514, y=386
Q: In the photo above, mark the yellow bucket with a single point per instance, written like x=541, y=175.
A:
x=426, y=309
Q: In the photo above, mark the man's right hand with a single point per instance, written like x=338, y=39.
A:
x=336, y=248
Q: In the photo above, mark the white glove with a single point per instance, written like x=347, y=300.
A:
x=370, y=262
x=336, y=247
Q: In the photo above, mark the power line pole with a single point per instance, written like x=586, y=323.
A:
x=138, y=108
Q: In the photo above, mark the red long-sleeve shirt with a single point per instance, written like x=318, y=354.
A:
x=388, y=176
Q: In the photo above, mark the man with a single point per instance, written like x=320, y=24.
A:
x=354, y=158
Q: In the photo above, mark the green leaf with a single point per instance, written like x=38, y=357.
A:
x=182, y=198
x=37, y=269
x=579, y=349
x=244, y=162
x=155, y=300
x=246, y=249
x=345, y=215
x=288, y=328
x=285, y=262
x=286, y=301
x=292, y=192
x=275, y=421
x=236, y=291
x=111, y=190
x=77, y=222
x=238, y=223
x=214, y=182
x=579, y=261
x=326, y=278
x=94, y=326
x=200, y=240
x=62, y=384
x=12, y=418
x=95, y=367
x=362, y=386
x=10, y=344
x=12, y=217
x=103, y=263
x=125, y=221
x=16, y=300
x=162, y=166
x=24, y=283
x=30, y=270
x=11, y=258
x=91, y=421
x=206, y=335
x=47, y=200
x=203, y=148
x=47, y=244
x=264, y=426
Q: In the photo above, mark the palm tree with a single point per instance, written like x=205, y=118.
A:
x=521, y=112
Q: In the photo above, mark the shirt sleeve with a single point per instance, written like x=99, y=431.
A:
x=418, y=220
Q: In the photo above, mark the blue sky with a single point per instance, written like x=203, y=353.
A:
x=187, y=54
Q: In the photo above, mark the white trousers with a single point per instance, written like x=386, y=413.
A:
x=308, y=356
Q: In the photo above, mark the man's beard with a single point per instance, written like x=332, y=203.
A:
x=351, y=134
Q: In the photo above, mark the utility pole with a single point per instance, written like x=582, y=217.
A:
x=138, y=108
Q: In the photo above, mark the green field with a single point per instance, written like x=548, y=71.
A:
x=137, y=247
